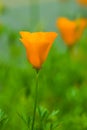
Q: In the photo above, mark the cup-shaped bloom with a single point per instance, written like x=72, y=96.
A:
x=71, y=31
x=37, y=46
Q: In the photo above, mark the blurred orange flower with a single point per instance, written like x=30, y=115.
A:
x=82, y=2
x=71, y=31
x=37, y=46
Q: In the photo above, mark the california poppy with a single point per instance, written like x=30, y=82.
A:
x=71, y=31
x=82, y=2
x=37, y=46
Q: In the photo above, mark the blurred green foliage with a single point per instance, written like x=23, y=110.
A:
x=62, y=85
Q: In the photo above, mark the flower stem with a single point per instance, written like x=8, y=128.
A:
x=35, y=102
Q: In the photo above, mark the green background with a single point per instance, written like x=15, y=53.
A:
x=63, y=77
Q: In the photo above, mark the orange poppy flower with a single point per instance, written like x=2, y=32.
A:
x=82, y=2
x=37, y=46
x=71, y=31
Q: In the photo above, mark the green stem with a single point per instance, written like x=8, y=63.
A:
x=35, y=102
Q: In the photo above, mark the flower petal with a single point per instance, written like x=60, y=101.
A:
x=37, y=46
